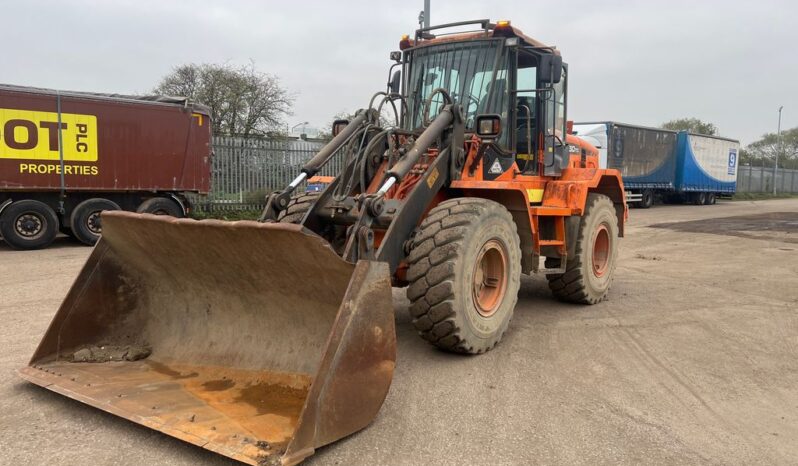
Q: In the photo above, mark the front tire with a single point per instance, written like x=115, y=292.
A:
x=28, y=224
x=464, y=274
x=589, y=272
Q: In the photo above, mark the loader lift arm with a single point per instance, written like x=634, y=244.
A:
x=362, y=211
x=278, y=200
x=403, y=215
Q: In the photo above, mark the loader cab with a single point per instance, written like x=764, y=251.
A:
x=501, y=72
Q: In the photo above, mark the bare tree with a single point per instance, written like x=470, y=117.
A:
x=242, y=100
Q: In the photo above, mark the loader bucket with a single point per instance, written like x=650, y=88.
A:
x=253, y=340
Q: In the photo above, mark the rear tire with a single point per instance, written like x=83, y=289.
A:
x=28, y=224
x=464, y=274
x=710, y=200
x=161, y=206
x=589, y=272
x=700, y=198
x=86, y=221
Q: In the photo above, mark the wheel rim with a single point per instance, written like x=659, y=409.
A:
x=601, y=250
x=94, y=224
x=490, y=278
x=29, y=225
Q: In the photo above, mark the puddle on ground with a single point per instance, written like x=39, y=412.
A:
x=772, y=226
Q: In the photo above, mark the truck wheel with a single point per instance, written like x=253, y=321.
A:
x=710, y=200
x=699, y=198
x=28, y=224
x=464, y=274
x=160, y=206
x=589, y=272
x=647, y=199
x=297, y=208
x=86, y=221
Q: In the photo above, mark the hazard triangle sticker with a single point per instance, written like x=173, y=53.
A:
x=496, y=168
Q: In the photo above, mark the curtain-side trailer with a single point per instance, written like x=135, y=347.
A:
x=675, y=166
x=67, y=156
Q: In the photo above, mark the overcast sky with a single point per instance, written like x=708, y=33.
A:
x=729, y=62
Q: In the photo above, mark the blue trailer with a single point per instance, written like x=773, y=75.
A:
x=674, y=166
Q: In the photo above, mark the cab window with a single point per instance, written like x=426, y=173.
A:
x=525, y=111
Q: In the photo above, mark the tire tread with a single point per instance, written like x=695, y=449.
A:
x=297, y=207
x=570, y=286
x=435, y=251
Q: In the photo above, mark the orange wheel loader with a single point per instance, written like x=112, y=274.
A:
x=263, y=341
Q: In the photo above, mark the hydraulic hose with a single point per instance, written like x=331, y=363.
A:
x=326, y=152
x=424, y=141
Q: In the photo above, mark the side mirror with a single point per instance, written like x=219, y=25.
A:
x=489, y=126
x=396, y=56
x=338, y=126
x=396, y=81
x=550, y=68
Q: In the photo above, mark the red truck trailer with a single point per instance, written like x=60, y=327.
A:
x=67, y=156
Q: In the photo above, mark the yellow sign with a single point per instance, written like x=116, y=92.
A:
x=30, y=135
x=433, y=176
x=534, y=195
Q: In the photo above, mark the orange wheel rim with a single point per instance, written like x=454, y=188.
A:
x=601, y=250
x=490, y=278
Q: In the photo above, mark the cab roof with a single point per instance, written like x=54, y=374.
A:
x=426, y=37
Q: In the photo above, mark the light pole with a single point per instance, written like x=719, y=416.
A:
x=423, y=15
x=299, y=124
x=778, y=149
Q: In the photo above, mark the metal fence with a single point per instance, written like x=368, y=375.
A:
x=245, y=169
x=760, y=180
